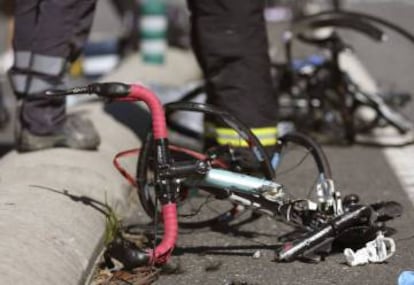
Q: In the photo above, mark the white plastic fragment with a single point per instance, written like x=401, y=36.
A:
x=257, y=254
x=375, y=251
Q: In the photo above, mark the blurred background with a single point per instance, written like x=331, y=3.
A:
x=118, y=45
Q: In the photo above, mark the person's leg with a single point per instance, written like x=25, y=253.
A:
x=53, y=44
x=35, y=115
x=45, y=50
x=128, y=11
x=230, y=42
x=25, y=16
x=83, y=20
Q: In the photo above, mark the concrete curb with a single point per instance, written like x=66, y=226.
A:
x=47, y=237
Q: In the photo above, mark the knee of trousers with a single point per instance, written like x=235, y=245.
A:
x=35, y=73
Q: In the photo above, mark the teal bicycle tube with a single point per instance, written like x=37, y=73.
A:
x=234, y=182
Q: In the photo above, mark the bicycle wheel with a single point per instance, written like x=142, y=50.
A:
x=178, y=127
x=302, y=167
x=330, y=107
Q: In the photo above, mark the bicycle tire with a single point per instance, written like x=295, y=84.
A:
x=180, y=128
x=314, y=148
x=303, y=170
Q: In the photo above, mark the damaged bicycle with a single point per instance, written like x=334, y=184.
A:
x=167, y=174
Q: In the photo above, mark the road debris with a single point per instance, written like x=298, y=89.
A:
x=257, y=254
x=138, y=276
x=212, y=264
x=376, y=251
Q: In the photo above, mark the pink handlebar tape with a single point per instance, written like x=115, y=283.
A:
x=140, y=93
x=163, y=251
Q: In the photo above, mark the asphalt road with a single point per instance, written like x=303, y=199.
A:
x=357, y=169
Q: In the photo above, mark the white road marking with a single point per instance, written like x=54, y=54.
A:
x=401, y=161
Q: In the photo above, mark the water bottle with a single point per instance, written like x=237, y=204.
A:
x=406, y=278
x=153, y=31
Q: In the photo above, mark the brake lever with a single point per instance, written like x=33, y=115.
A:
x=107, y=90
x=66, y=92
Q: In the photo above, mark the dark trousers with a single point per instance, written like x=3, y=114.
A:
x=128, y=11
x=48, y=35
x=230, y=42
